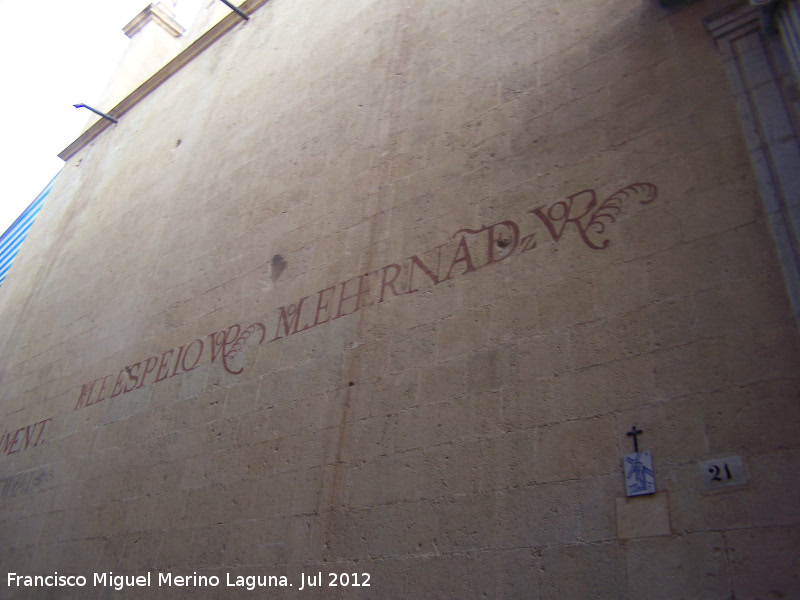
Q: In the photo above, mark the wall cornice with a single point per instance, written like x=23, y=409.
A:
x=158, y=14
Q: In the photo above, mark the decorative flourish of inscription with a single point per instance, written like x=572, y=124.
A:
x=242, y=340
x=468, y=250
x=229, y=348
x=582, y=211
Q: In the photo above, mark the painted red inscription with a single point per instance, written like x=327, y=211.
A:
x=417, y=261
x=28, y=436
x=224, y=345
x=469, y=250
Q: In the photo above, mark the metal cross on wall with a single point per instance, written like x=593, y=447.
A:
x=634, y=432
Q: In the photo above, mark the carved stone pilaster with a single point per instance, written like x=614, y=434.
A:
x=759, y=74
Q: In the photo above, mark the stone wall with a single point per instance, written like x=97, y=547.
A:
x=379, y=288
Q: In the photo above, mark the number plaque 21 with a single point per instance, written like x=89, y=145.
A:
x=722, y=472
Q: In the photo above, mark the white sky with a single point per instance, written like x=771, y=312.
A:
x=53, y=54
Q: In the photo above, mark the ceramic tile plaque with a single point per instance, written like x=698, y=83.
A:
x=639, y=475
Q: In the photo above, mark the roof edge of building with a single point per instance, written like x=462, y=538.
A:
x=196, y=48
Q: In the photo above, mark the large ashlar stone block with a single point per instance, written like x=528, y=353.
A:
x=664, y=567
x=643, y=516
x=755, y=555
x=602, y=569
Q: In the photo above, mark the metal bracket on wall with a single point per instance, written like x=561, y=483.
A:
x=236, y=9
x=97, y=112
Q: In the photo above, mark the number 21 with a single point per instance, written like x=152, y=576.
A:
x=716, y=471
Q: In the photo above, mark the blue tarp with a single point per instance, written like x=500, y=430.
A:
x=12, y=239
